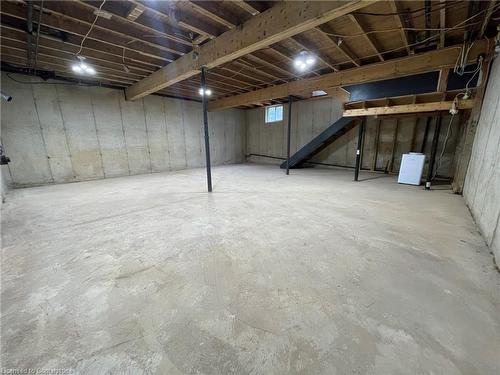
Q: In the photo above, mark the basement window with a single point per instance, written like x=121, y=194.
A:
x=274, y=113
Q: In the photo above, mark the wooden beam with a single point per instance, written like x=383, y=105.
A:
x=341, y=46
x=408, y=108
x=443, y=79
x=487, y=17
x=135, y=12
x=246, y=7
x=79, y=27
x=92, y=48
x=399, y=22
x=282, y=21
x=368, y=37
x=181, y=20
x=442, y=23
x=211, y=14
x=84, y=11
x=404, y=66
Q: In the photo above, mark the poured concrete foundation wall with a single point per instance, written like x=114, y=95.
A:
x=57, y=133
x=482, y=184
x=309, y=118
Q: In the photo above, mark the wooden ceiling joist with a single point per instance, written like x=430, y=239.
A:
x=340, y=45
x=92, y=49
x=80, y=28
x=408, y=108
x=136, y=11
x=246, y=6
x=414, y=64
x=283, y=20
x=399, y=22
x=368, y=37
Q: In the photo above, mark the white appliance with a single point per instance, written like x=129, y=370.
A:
x=412, y=166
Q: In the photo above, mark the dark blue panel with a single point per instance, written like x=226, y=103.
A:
x=410, y=85
x=457, y=82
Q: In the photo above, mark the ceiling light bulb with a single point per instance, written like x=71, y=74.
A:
x=90, y=70
x=83, y=66
x=77, y=68
x=304, y=60
x=207, y=91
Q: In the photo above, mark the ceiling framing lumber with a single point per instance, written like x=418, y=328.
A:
x=408, y=108
x=80, y=27
x=283, y=20
x=340, y=45
x=443, y=79
x=399, y=22
x=404, y=66
x=442, y=23
x=368, y=37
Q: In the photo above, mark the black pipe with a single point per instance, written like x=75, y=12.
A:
x=358, y=151
x=433, y=153
x=205, y=125
x=288, y=136
x=30, y=32
x=426, y=132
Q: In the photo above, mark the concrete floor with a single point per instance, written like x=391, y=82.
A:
x=306, y=274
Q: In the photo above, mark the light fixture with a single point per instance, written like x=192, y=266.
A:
x=304, y=61
x=82, y=68
x=318, y=93
x=454, y=107
x=208, y=92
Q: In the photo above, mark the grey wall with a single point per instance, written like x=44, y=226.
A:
x=311, y=117
x=482, y=183
x=57, y=133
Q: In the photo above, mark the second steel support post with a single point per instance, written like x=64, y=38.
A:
x=289, y=132
x=358, y=151
x=205, y=125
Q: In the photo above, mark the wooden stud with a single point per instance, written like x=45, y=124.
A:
x=443, y=79
x=442, y=23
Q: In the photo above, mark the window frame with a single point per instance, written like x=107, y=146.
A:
x=266, y=116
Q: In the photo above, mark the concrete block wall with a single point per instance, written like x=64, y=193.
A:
x=482, y=183
x=311, y=117
x=57, y=133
